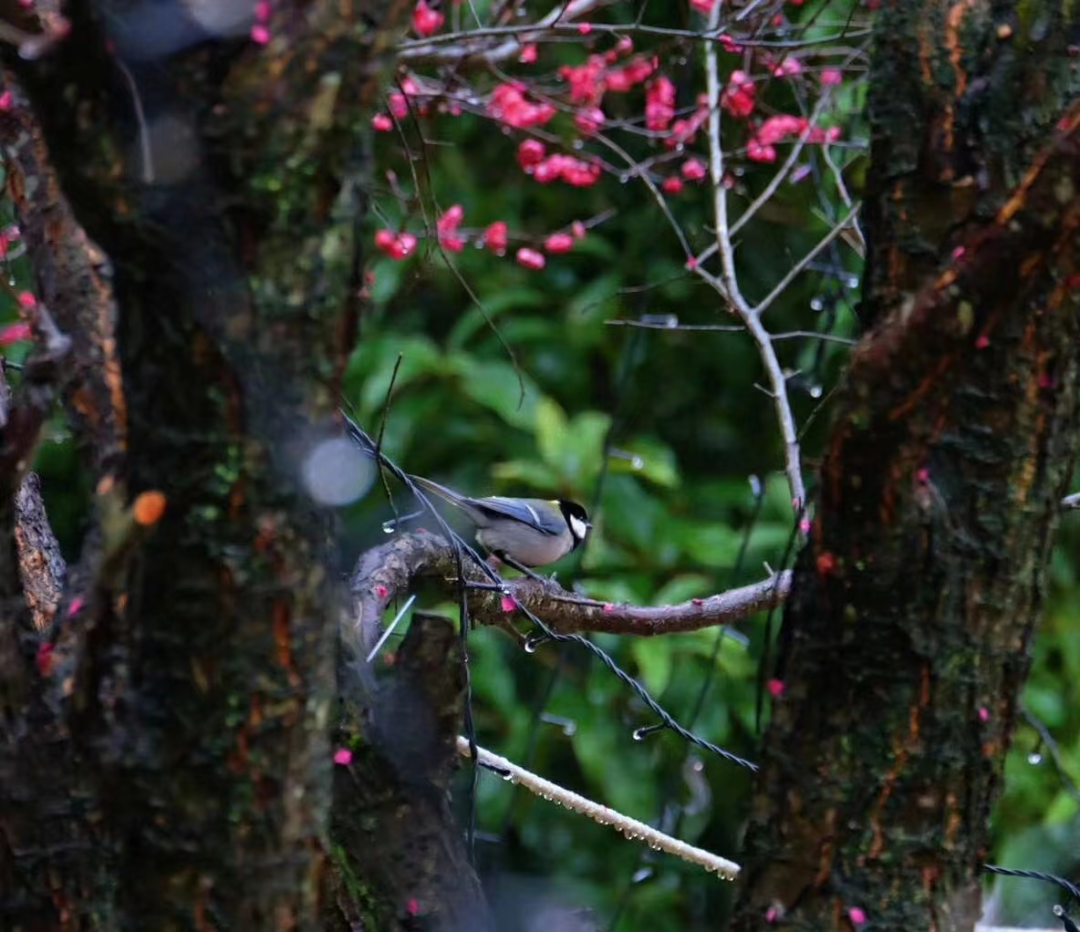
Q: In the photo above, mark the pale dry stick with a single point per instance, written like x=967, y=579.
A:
x=631, y=828
x=823, y=243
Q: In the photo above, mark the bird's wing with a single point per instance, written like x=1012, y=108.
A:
x=530, y=511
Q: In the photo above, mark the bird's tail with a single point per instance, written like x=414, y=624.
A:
x=447, y=495
x=363, y=440
x=358, y=435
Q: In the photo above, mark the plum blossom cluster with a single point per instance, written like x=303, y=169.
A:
x=761, y=146
x=495, y=238
x=533, y=157
x=562, y=120
x=425, y=20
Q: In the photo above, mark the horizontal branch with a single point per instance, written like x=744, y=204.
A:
x=386, y=572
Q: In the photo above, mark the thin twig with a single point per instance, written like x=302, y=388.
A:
x=674, y=325
x=842, y=190
x=799, y=266
x=729, y=286
x=785, y=169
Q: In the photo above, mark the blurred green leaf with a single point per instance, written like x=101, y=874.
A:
x=649, y=459
x=495, y=305
x=655, y=661
x=498, y=387
x=370, y=367
x=528, y=473
x=1062, y=809
x=683, y=588
x=710, y=544
x=551, y=431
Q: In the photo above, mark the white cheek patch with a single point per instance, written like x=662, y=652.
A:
x=578, y=527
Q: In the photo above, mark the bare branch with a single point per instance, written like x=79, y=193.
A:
x=386, y=573
x=470, y=44
x=728, y=286
x=847, y=221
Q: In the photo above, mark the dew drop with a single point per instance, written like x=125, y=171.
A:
x=637, y=462
x=1035, y=758
x=815, y=391
x=816, y=304
x=388, y=527
x=578, y=144
x=623, y=178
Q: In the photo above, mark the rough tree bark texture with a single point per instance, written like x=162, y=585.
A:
x=168, y=767
x=905, y=643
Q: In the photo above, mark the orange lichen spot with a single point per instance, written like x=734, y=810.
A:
x=148, y=508
x=954, y=22
x=282, y=615
x=1004, y=31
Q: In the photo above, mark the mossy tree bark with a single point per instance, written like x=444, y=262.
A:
x=192, y=222
x=905, y=643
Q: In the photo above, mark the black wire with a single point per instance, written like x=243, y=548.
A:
x=638, y=689
x=1066, y=885
x=758, y=491
x=624, y=900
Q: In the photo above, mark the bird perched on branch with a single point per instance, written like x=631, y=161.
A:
x=529, y=531
x=523, y=532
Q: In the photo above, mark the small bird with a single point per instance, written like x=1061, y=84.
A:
x=526, y=531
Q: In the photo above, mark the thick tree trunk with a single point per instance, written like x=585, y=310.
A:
x=211, y=304
x=905, y=643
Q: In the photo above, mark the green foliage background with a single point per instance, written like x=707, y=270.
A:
x=659, y=432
